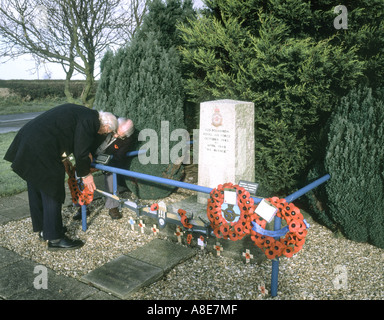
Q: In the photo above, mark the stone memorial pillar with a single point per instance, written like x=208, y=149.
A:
x=226, y=144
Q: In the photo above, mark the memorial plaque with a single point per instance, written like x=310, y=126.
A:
x=226, y=143
x=251, y=187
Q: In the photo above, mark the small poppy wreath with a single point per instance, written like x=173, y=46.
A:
x=293, y=240
x=184, y=220
x=220, y=225
x=80, y=193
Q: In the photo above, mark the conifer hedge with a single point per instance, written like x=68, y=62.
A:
x=286, y=57
x=143, y=82
x=352, y=199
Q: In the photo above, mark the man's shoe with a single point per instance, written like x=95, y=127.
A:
x=41, y=236
x=78, y=216
x=115, y=214
x=64, y=244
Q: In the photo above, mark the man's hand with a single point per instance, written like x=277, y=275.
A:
x=88, y=182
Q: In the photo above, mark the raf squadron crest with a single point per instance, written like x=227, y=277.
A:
x=217, y=118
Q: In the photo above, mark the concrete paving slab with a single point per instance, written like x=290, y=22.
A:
x=19, y=279
x=14, y=208
x=123, y=276
x=8, y=257
x=59, y=287
x=163, y=254
x=16, y=278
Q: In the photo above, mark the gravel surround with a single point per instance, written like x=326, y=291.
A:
x=311, y=274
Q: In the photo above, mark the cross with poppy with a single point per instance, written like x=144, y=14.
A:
x=178, y=234
x=155, y=229
x=189, y=238
x=132, y=223
x=262, y=289
x=248, y=256
x=218, y=248
x=141, y=226
x=201, y=243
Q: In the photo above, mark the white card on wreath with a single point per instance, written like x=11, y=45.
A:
x=230, y=196
x=266, y=210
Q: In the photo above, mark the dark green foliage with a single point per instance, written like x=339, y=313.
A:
x=143, y=82
x=162, y=18
x=354, y=159
x=262, y=51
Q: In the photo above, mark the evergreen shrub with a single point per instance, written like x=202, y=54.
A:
x=257, y=51
x=142, y=82
x=354, y=158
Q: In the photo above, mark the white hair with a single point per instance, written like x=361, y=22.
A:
x=126, y=125
x=108, y=119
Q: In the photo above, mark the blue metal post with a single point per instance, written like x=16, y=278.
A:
x=275, y=263
x=114, y=184
x=84, y=217
x=277, y=226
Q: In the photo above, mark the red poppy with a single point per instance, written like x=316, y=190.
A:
x=300, y=241
x=295, y=225
x=116, y=146
x=154, y=207
x=184, y=221
x=268, y=241
x=224, y=230
x=189, y=238
x=301, y=234
x=288, y=252
x=233, y=236
x=261, y=222
x=296, y=214
x=181, y=212
x=270, y=253
x=217, y=233
x=278, y=247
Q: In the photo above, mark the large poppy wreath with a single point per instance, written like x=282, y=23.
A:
x=290, y=239
x=236, y=221
x=230, y=221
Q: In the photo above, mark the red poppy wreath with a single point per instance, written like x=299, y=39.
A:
x=294, y=238
x=224, y=222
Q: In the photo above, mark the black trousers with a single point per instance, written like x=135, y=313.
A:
x=45, y=214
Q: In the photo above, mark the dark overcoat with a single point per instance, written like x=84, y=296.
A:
x=36, y=152
x=118, y=149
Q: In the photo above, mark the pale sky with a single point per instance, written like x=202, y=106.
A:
x=25, y=67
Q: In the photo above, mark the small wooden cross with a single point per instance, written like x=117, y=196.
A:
x=141, y=226
x=248, y=256
x=200, y=242
x=218, y=248
x=178, y=234
x=132, y=223
x=262, y=289
x=155, y=229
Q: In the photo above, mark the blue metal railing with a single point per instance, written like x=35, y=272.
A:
x=141, y=176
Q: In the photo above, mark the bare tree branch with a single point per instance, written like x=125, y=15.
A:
x=73, y=33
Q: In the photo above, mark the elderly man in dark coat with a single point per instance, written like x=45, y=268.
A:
x=37, y=152
x=117, y=145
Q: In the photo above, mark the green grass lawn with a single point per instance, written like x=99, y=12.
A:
x=10, y=182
